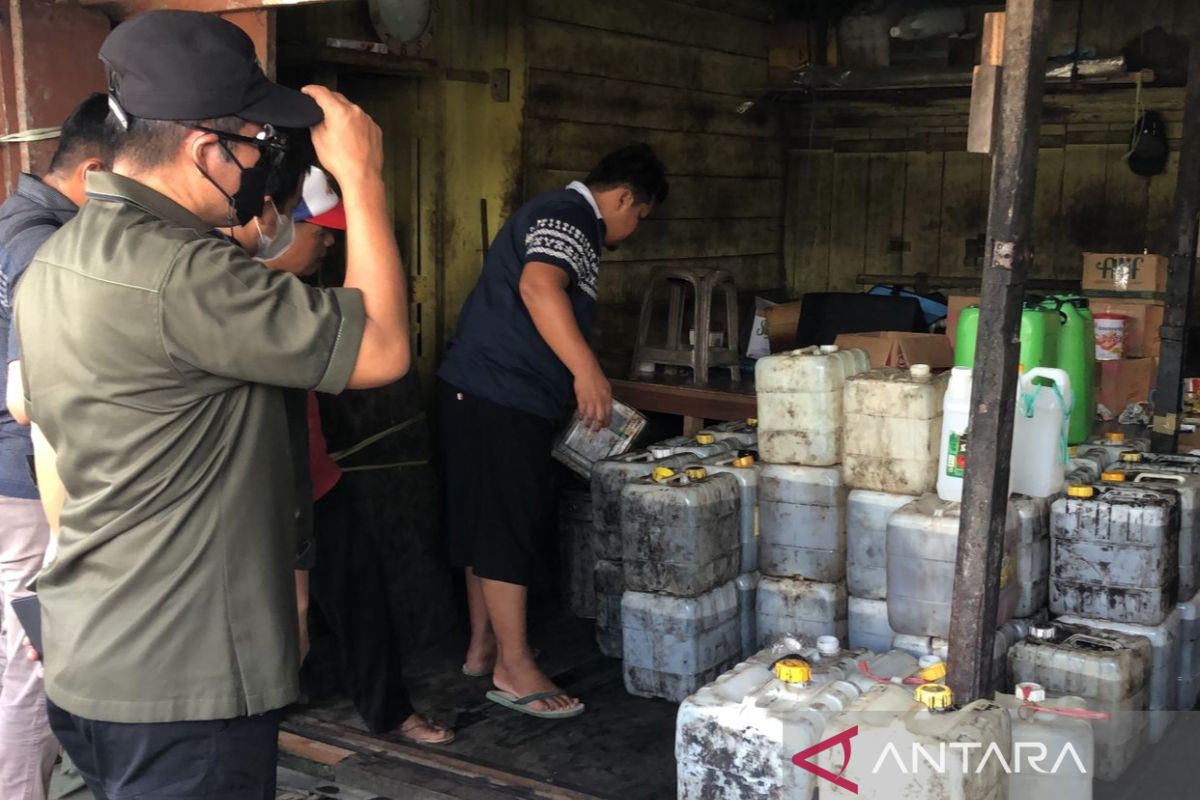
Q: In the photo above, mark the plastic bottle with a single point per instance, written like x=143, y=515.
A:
x=1071, y=779
x=956, y=415
x=1039, y=449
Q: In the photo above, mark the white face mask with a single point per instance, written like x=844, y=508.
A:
x=276, y=233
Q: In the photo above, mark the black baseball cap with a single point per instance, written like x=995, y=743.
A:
x=185, y=65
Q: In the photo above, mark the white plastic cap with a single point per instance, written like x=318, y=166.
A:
x=828, y=645
x=1031, y=692
x=925, y=662
x=919, y=371
x=829, y=348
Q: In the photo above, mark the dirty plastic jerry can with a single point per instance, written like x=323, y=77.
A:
x=1007, y=635
x=747, y=592
x=1109, y=670
x=796, y=607
x=610, y=586
x=702, y=445
x=922, y=558
x=675, y=645
x=802, y=522
x=1039, y=446
x=867, y=623
x=1033, y=553
x=735, y=738
x=1114, y=553
x=609, y=478
x=1164, y=665
x=1188, y=670
x=892, y=431
x=742, y=432
x=680, y=532
x=1115, y=443
x=1184, y=462
x=896, y=724
x=800, y=404
x=867, y=516
x=1044, y=727
x=1188, y=487
x=1087, y=464
x=578, y=570
x=1077, y=355
x=744, y=470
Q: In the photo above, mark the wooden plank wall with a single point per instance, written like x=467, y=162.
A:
x=884, y=185
x=671, y=73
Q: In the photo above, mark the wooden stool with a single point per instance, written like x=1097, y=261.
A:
x=699, y=356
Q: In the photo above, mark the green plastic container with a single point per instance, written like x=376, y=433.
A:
x=1077, y=356
x=1039, y=337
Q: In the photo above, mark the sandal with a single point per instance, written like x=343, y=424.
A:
x=521, y=704
x=437, y=734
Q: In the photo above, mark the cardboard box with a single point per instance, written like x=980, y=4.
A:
x=1129, y=380
x=955, y=305
x=782, y=321
x=1124, y=272
x=900, y=349
x=1142, y=326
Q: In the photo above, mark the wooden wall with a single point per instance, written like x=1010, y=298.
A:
x=671, y=73
x=884, y=184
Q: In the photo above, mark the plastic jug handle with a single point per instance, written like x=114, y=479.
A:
x=1158, y=476
x=1092, y=641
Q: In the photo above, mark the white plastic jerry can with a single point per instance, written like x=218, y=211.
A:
x=610, y=586
x=609, y=478
x=796, y=607
x=675, y=645
x=800, y=405
x=744, y=470
x=867, y=622
x=893, y=427
x=1054, y=749
x=867, y=516
x=736, y=737
x=1188, y=486
x=1115, y=443
x=702, y=445
x=1108, y=669
x=743, y=432
x=1033, y=553
x=910, y=743
x=680, y=532
x=802, y=522
x=1189, y=654
x=1039, y=449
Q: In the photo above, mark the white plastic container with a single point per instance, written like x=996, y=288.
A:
x=1033, y=553
x=1107, y=669
x=1044, y=403
x=952, y=450
x=747, y=592
x=907, y=722
x=800, y=608
x=1164, y=665
x=736, y=737
x=1188, y=486
x=893, y=429
x=609, y=478
x=744, y=470
x=1115, y=443
x=1068, y=745
x=867, y=621
x=680, y=532
x=922, y=552
x=743, y=432
x=692, y=447
x=675, y=645
x=802, y=522
x=1007, y=635
x=867, y=516
x=1189, y=654
x=578, y=568
x=610, y=587
x=800, y=408
x=1114, y=553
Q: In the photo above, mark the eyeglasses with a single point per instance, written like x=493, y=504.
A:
x=266, y=140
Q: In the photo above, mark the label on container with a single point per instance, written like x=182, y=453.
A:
x=956, y=455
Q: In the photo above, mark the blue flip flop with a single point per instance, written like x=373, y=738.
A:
x=521, y=704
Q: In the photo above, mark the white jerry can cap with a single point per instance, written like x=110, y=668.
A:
x=1031, y=692
x=828, y=645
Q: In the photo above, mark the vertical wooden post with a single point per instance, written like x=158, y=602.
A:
x=993, y=395
x=1168, y=400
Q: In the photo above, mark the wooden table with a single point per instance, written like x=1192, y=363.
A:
x=720, y=400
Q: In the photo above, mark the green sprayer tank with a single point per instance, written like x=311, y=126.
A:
x=1077, y=356
x=1039, y=337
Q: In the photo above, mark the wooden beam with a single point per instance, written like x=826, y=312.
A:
x=123, y=9
x=1008, y=257
x=686, y=400
x=1180, y=272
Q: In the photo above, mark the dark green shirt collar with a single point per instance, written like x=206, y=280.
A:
x=118, y=188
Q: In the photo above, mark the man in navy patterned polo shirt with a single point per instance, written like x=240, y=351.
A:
x=518, y=363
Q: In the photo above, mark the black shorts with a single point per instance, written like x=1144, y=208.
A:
x=497, y=484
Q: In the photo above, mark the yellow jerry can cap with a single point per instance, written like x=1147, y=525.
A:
x=1113, y=476
x=1080, y=491
x=696, y=473
x=935, y=673
x=1116, y=437
x=1131, y=456
x=934, y=696
x=705, y=438
x=793, y=670
x=752, y=422
x=744, y=462
x=661, y=474
x=1072, y=451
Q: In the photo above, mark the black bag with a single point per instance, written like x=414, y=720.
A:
x=1148, y=148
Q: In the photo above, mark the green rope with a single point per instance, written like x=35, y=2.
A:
x=373, y=438
x=33, y=135
x=394, y=465
x=1028, y=401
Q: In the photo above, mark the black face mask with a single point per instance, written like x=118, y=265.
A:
x=247, y=202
